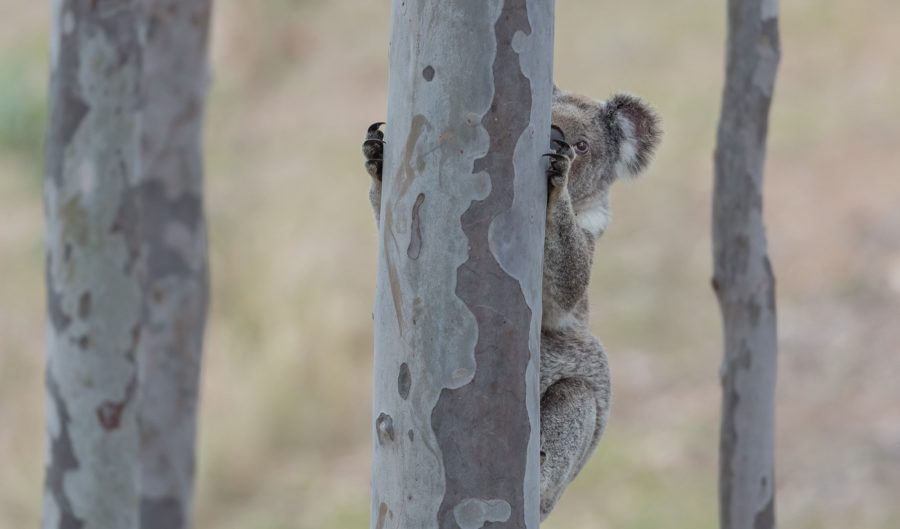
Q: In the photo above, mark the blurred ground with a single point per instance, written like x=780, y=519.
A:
x=285, y=428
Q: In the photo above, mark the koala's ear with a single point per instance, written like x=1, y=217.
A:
x=556, y=91
x=635, y=127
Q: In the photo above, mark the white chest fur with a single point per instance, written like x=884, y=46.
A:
x=594, y=218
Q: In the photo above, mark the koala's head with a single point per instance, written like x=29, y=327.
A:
x=612, y=139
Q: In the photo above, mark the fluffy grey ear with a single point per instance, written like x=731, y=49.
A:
x=556, y=91
x=635, y=127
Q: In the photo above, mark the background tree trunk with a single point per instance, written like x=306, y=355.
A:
x=458, y=306
x=126, y=261
x=94, y=266
x=743, y=278
x=175, y=78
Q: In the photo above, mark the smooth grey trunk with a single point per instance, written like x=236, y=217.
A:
x=94, y=266
x=173, y=232
x=458, y=302
x=743, y=278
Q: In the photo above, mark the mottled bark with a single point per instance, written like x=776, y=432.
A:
x=173, y=233
x=743, y=278
x=126, y=261
x=458, y=308
x=94, y=266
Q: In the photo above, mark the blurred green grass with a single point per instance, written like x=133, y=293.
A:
x=285, y=426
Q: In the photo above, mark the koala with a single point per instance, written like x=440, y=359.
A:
x=594, y=143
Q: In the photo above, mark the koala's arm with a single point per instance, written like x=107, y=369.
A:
x=568, y=249
x=375, y=199
x=373, y=150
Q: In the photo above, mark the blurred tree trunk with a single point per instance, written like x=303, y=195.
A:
x=175, y=78
x=126, y=261
x=94, y=266
x=458, y=307
x=743, y=278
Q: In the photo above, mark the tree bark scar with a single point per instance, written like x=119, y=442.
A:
x=109, y=413
x=382, y=515
x=391, y=265
x=493, y=403
x=415, y=237
x=404, y=381
x=62, y=460
x=384, y=428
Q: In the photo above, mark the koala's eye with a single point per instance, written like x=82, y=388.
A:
x=581, y=147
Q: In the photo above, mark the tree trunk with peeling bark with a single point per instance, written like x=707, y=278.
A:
x=126, y=261
x=743, y=278
x=175, y=79
x=458, y=302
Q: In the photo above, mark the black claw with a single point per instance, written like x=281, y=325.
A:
x=563, y=147
x=374, y=131
x=556, y=156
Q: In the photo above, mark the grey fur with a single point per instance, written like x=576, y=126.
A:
x=607, y=140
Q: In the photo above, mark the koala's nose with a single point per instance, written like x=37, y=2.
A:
x=556, y=134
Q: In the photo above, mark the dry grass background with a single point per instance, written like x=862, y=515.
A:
x=285, y=436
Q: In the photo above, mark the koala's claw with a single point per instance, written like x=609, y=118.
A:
x=564, y=149
x=374, y=131
x=557, y=169
x=560, y=158
x=373, y=150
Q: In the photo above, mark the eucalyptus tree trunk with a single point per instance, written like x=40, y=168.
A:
x=175, y=78
x=743, y=280
x=458, y=303
x=126, y=261
x=94, y=266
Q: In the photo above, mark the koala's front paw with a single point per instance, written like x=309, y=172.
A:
x=560, y=159
x=373, y=150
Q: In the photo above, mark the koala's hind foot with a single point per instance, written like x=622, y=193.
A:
x=373, y=150
x=568, y=430
x=560, y=160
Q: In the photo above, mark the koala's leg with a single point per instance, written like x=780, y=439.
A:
x=373, y=150
x=569, y=416
x=568, y=249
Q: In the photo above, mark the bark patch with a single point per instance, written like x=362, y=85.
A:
x=62, y=460
x=162, y=512
x=492, y=463
x=404, y=381
x=474, y=513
